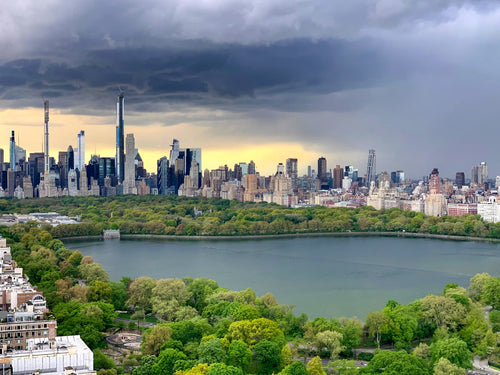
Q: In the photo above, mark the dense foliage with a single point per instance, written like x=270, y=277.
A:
x=206, y=329
x=173, y=215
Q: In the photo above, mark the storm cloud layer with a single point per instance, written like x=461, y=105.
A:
x=416, y=80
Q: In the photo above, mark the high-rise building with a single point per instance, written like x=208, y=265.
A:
x=70, y=159
x=12, y=151
x=194, y=173
x=309, y=171
x=322, y=170
x=107, y=168
x=46, y=127
x=129, y=180
x=1, y=159
x=120, y=138
x=479, y=174
x=72, y=183
x=460, y=179
x=351, y=172
x=371, y=168
x=162, y=173
x=174, y=152
x=80, y=151
x=244, y=169
x=434, y=182
x=238, y=174
x=251, y=167
x=292, y=171
x=35, y=167
x=338, y=176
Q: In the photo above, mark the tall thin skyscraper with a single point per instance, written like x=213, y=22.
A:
x=120, y=138
x=46, y=127
x=12, y=151
x=371, y=169
x=80, y=152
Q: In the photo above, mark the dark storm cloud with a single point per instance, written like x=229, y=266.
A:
x=207, y=75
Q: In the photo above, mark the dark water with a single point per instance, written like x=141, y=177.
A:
x=321, y=276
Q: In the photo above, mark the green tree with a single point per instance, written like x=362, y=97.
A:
x=453, y=349
x=166, y=362
x=477, y=284
x=267, y=353
x=140, y=292
x=376, y=321
x=101, y=361
x=315, y=366
x=396, y=363
x=211, y=351
x=250, y=332
x=154, y=339
x=445, y=367
x=92, y=272
x=168, y=296
x=443, y=311
x=491, y=292
x=99, y=291
x=295, y=368
x=239, y=354
x=285, y=356
x=329, y=341
x=146, y=366
x=223, y=369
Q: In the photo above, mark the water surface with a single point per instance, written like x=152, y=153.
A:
x=321, y=276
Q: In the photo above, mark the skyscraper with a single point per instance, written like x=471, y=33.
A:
x=434, y=182
x=338, y=176
x=120, y=135
x=371, y=169
x=460, y=179
x=80, y=151
x=292, y=171
x=46, y=127
x=174, y=152
x=251, y=167
x=129, y=180
x=12, y=151
x=479, y=174
x=322, y=169
x=70, y=159
x=162, y=173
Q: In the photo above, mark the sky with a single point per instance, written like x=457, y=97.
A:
x=418, y=81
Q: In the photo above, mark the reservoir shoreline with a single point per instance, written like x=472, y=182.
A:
x=289, y=235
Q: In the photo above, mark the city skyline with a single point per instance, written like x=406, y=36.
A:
x=324, y=78
x=269, y=169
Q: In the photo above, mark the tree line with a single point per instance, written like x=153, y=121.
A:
x=181, y=216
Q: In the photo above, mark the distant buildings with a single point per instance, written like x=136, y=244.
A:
x=371, y=168
x=479, y=174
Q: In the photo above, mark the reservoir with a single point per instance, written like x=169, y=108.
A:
x=321, y=276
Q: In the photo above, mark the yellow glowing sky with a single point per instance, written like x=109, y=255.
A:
x=153, y=140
